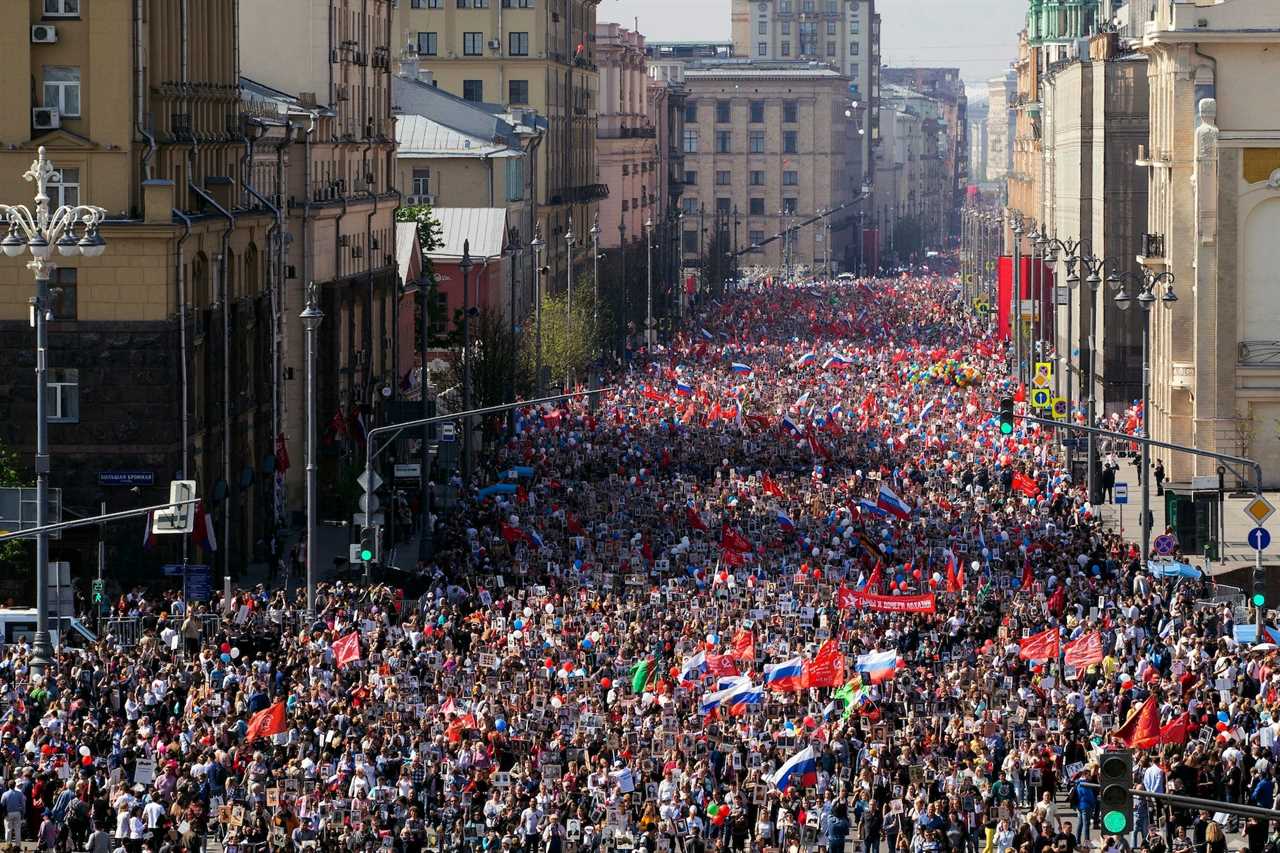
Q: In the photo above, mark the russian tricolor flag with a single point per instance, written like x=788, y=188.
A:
x=785, y=676
x=805, y=360
x=785, y=522
x=877, y=665
x=707, y=335
x=790, y=424
x=800, y=769
x=891, y=503
x=684, y=390
x=534, y=538
x=836, y=361
x=868, y=506
x=694, y=666
x=740, y=368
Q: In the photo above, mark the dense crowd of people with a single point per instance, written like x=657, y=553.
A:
x=788, y=588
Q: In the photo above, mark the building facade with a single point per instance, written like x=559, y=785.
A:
x=161, y=349
x=1213, y=161
x=770, y=141
x=537, y=55
x=1001, y=94
x=841, y=34
x=667, y=99
x=627, y=144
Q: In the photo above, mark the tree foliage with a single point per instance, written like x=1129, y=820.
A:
x=568, y=337
x=495, y=353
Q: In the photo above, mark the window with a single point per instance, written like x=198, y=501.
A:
x=789, y=206
x=690, y=242
x=472, y=44
x=785, y=50
x=473, y=4
x=789, y=142
x=65, y=189
x=757, y=178
x=515, y=178
x=690, y=111
x=689, y=205
x=854, y=26
x=473, y=90
x=518, y=91
x=427, y=45
x=762, y=28
x=64, y=396
x=723, y=140
x=786, y=28
x=755, y=141
x=757, y=112
x=853, y=72
x=62, y=292
x=722, y=112
x=723, y=178
x=756, y=237
x=421, y=181
x=808, y=6
x=756, y=207
x=831, y=48
x=831, y=28
x=62, y=89
x=690, y=141
x=518, y=44
x=791, y=178
x=690, y=177
x=517, y=4
x=831, y=7
x=626, y=169
x=724, y=206
x=855, y=48
x=784, y=7
x=789, y=110
x=626, y=205
x=61, y=8
x=762, y=49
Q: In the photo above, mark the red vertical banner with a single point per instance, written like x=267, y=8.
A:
x=1005, y=307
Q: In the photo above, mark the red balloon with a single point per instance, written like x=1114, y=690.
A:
x=675, y=672
x=606, y=683
x=1221, y=726
x=817, y=573
x=87, y=761
x=568, y=666
x=810, y=723
x=225, y=647
x=893, y=585
x=915, y=573
x=550, y=663
x=933, y=583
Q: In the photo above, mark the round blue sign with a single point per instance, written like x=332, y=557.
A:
x=1259, y=538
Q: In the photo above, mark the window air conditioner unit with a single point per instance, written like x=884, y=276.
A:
x=494, y=44
x=423, y=198
x=44, y=34
x=44, y=118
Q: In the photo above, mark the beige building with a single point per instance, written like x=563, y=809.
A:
x=1001, y=94
x=627, y=149
x=521, y=53
x=1213, y=162
x=770, y=140
x=842, y=34
x=161, y=351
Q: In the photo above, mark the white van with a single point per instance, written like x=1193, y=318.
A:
x=18, y=624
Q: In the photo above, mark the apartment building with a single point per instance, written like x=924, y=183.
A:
x=161, y=349
x=768, y=145
x=626, y=136
x=539, y=54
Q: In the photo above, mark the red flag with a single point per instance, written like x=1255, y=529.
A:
x=1084, y=651
x=953, y=582
x=772, y=488
x=692, y=516
x=816, y=446
x=827, y=667
x=1020, y=395
x=574, y=525
x=732, y=558
x=1142, y=729
x=266, y=723
x=346, y=649
x=1057, y=602
x=743, y=647
x=1042, y=646
x=721, y=665
x=844, y=597
x=511, y=534
x=1028, y=577
x=458, y=726
x=1177, y=730
x=875, y=578
x=1024, y=484
x=734, y=541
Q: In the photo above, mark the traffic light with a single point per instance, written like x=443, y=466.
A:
x=1115, y=778
x=1006, y=416
x=1259, y=598
x=367, y=536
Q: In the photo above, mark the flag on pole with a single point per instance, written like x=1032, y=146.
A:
x=266, y=723
x=1142, y=729
x=800, y=769
x=1084, y=651
x=1042, y=646
x=346, y=649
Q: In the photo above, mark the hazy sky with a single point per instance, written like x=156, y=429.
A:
x=980, y=37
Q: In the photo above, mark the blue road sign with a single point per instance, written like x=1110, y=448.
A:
x=1122, y=493
x=1259, y=538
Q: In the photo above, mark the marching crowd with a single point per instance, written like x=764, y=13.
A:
x=788, y=588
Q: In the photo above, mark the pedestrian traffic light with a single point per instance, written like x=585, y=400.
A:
x=367, y=534
x=1006, y=416
x=1115, y=778
x=1259, y=598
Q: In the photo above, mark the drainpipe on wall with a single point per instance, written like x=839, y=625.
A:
x=180, y=276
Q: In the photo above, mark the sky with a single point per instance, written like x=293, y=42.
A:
x=980, y=37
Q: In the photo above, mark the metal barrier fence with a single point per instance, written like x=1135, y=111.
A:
x=124, y=630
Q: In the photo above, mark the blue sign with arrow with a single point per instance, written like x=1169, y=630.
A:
x=1259, y=538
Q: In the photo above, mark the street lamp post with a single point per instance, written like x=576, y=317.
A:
x=517, y=251
x=464, y=266
x=1146, y=297
x=537, y=245
x=648, y=310
x=570, y=241
x=1092, y=266
x=1068, y=248
x=40, y=233
x=1015, y=297
x=622, y=279
x=595, y=280
x=311, y=318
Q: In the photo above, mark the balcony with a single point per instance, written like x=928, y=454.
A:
x=578, y=195
x=1151, y=251
x=1260, y=353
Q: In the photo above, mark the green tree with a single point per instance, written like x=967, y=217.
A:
x=568, y=343
x=495, y=353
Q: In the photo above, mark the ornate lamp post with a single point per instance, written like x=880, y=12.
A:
x=1146, y=297
x=39, y=233
x=570, y=241
x=311, y=318
x=595, y=280
x=648, y=310
x=1092, y=266
x=537, y=244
